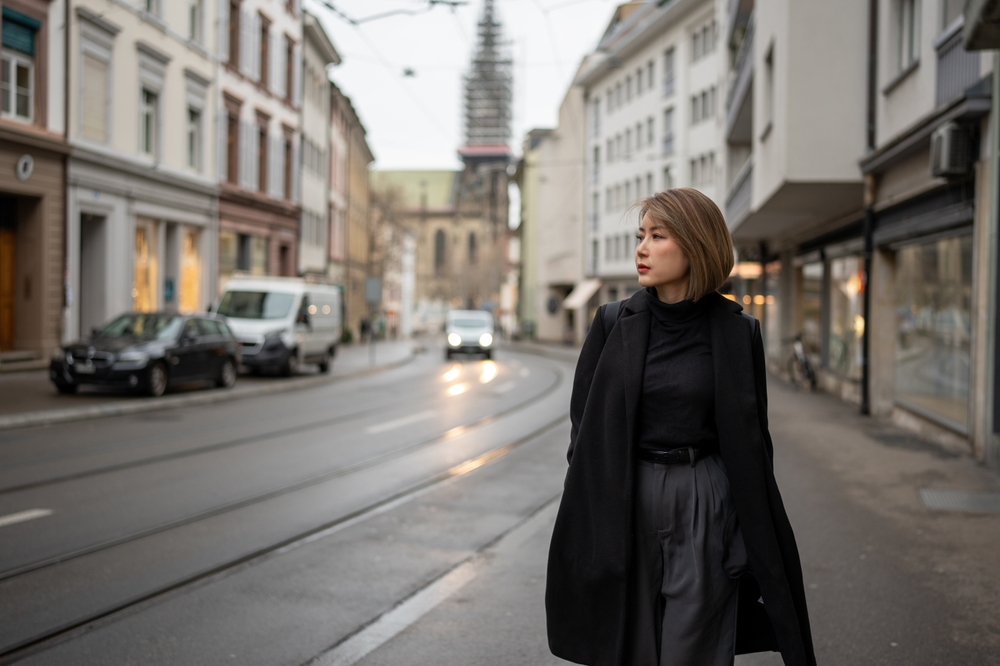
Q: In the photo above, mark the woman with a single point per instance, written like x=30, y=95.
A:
x=672, y=546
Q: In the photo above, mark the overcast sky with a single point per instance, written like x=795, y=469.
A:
x=414, y=122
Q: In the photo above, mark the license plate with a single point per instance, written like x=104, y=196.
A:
x=85, y=369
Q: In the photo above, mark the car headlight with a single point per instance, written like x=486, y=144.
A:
x=284, y=335
x=131, y=359
x=454, y=339
x=485, y=340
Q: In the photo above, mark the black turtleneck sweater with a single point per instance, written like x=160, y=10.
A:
x=677, y=408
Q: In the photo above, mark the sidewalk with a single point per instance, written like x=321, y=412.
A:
x=29, y=398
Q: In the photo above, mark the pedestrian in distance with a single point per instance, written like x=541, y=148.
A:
x=671, y=546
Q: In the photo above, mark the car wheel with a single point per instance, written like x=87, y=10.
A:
x=324, y=365
x=291, y=366
x=156, y=380
x=66, y=389
x=227, y=375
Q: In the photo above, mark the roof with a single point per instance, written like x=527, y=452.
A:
x=314, y=32
x=438, y=185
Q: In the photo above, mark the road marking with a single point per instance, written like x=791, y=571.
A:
x=395, y=621
x=400, y=422
x=22, y=516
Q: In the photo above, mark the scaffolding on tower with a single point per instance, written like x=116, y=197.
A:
x=488, y=95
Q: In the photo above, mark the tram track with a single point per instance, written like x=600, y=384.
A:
x=273, y=493
x=137, y=603
x=199, y=450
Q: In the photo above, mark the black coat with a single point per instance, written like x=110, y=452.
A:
x=591, y=550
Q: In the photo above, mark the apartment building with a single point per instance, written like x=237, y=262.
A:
x=341, y=113
x=141, y=192
x=260, y=98
x=554, y=293
x=32, y=178
x=358, y=242
x=652, y=97
x=314, y=237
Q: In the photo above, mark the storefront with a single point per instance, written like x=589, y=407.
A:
x=32, y=223
x=137, y=240
x=257, y=236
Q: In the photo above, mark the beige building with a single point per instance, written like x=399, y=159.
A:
x=142, y=197
x=358, y=239
x=554, y=293
x=32, y=179
x=341, y=114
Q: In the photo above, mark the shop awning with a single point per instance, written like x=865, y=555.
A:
x=581, y=294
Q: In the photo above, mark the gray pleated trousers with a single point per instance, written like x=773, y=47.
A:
x=689, y=553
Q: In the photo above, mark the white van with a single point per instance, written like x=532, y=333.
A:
x=470, y=332
x=283, y=322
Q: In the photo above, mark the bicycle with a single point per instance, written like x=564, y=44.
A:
x=800, y=369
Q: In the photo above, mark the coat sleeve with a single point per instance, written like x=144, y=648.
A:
x=585, y=366
x=760, y=377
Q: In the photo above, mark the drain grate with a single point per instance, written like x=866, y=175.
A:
x=957, y=500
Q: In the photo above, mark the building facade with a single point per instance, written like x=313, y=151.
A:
x=141, y=192
x=358, y=239
x=341, y=112
x=651, y=91
x=259, y=145
x=32, y=178
x=314, y=238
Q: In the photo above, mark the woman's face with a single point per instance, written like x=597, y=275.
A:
x=660, y=262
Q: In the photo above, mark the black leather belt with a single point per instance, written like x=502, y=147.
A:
x=683, y=456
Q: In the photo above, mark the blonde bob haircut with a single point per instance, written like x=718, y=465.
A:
x=696, y=224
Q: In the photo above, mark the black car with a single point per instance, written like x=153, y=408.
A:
x=148, y=351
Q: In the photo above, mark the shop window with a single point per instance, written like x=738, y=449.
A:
x=812, y=305
x=228, y=256
x=190, y=274
x=934, y=327
x=847, y=323
x=144, y=269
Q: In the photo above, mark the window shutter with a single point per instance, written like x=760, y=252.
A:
x=223, y=35
x=296, y=168
x=297, y=73
x=246, y=43
x=222, y=145
x=280, y=75
x=18, y=31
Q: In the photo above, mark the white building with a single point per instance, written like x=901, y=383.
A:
x=142, y=197
x=652, y=91
x=314, y=238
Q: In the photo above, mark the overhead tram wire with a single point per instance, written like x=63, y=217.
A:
x=354, y=23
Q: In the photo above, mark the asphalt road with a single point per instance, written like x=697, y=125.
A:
x=404, y=517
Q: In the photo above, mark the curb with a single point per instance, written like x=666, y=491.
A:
x=51, y=417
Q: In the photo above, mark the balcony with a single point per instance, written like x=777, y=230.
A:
x=738, y=196
x=738, y=98
x=957, y=69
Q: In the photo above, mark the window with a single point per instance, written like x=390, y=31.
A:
x=703, y=41
x=609, y=100
x=950, y=11
x=148, y=122
x=607, y=199
x=607, y=249
x=846, y=321
x=597, y=163
x=668, y=178
x=628, y=192
x=618, y=196
x=933, y=327
x=195, y=14
x=597, y=117
x=638, y=135
x=668, y=131
x=668, y=72
x=628, y=88
x=473, y=251
x=909, y=32
x=289, y=68
x=151, y=7
x=262, y=156
x=608, y=149
x=234, y=33
x=628, y=143
x=649, y=131
x=94, y=99
x=289, y=167
x=17, y=66
x=618, y=146
x=194, y=139
x=768, y=91
x=649, y=74
x=649, y=185
x=594, y=251
x=618, y=247
x=595, y=211
x=638, y=82
x=232, y=148
x=439, y=251
x=638, y=188
x=618, y=95
x=265, y=28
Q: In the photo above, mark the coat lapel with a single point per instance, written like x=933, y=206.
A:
x=732, y=360
x=635, y=339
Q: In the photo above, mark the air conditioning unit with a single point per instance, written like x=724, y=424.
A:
x=950, y=151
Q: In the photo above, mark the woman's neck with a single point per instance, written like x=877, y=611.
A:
x=672, y=292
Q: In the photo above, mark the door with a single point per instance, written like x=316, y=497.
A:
x=8, y=241
x=93, y=270
x=189, y=354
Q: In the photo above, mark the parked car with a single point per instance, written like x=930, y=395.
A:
x=148, y=351
x=283, y=322
x=470, y=332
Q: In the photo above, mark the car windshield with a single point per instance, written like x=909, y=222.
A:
x=256, y=304
x=470, y=323
x=145, y=326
